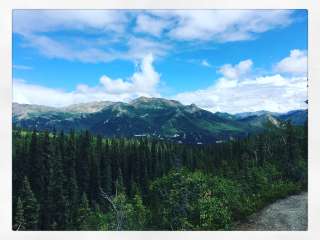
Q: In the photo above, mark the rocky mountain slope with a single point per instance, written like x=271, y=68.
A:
x=157, y=117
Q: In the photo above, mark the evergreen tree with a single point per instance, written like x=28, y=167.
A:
x=105, y=166
x=83, y=159
x=30, y=206
x=94, y=182
x=293, y=153
x=57, y=202
x=83, y=213
x=143, y=178
x=70, y=185
x=36, y=168
x=19, y=220
x=47, y=158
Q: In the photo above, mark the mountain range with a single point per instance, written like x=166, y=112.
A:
x=156, y=117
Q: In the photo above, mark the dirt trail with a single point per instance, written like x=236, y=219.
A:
x=289, y=214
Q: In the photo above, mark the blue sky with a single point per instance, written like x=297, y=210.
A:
x=230, y=61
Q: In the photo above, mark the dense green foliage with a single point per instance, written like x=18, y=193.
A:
x=77, y=181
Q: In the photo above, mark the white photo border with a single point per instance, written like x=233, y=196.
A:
x=6, y=7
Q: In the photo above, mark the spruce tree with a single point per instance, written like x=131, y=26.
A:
x=30, y=206
x=47, y=157
x=83, y=159
x=57, y=202
x=36, y=166
x=71, y=186
x=19, y=220
x=83, y=213
x=276, y=161
x=94, y=182
x=105, y=171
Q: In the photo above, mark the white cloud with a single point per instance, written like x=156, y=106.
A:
x=150, y=25
x=273, y=93
x=139, y=47
x=136, y=49
x=35, y=94
x=113, y=35
x=39, y=21
x=115, y=86
x=235, y=91
x=143, y=82
x=234, y=94
x=223, y=25
x=205, y=63
x=236, y=71
x=296, y=63
x=54, y=49
x=122, y=29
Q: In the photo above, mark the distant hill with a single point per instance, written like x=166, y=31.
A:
x=297, y=117
x=156, y=117
x=257, y=114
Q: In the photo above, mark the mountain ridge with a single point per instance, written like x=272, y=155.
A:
x=157, y=117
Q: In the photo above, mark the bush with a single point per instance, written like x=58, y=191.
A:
x=189, y=201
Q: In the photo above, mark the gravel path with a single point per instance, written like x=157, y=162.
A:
x=289, y=214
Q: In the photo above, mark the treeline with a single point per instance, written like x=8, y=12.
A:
x=77, y=181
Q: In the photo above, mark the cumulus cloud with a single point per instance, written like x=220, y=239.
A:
x=143, y=82
x=236, y=71
x=235, y=91
x=24, y=92
x=231, y=93
x=296, y=63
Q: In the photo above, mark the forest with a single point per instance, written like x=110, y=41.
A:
x=81, y=181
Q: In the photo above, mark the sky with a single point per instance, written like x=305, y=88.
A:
x=221, y=60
